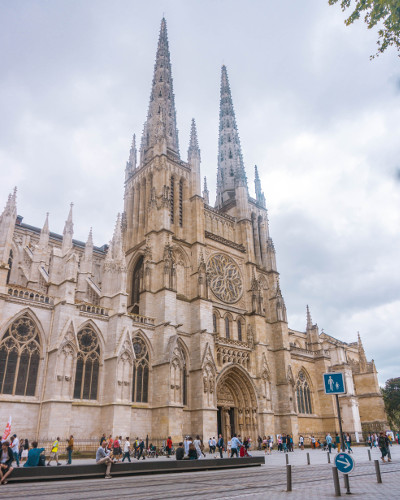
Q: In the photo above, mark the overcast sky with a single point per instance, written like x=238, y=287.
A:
x=321, y=121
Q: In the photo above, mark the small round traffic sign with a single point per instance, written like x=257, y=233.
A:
x=344, y=463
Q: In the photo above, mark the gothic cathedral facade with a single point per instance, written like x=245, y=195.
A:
x=178, y=326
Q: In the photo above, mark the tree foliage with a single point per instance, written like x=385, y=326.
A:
x=385, y=13
x=391, y=397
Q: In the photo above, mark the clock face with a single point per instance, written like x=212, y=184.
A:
x=225, y=280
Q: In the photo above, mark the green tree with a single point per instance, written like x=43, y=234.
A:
x=391, y=397
x=385, y=13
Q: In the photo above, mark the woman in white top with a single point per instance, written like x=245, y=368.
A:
x=197, y=445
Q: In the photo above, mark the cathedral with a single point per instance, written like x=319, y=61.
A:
x=178, y=326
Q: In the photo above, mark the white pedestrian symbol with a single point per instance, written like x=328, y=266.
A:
x=330, y=382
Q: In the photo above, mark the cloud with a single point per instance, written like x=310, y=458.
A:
x=319, y=119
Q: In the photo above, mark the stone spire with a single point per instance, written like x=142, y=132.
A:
x=68, y=232
x=161, y=117
x=44, y=233
x=117, y=243
x=361, y=355
x=89, y=246
x=131, y=163
x=257, y=183
x=309, y=321
x=231, y=172
x=7, y=224
x=193, y=150
x=206, y=193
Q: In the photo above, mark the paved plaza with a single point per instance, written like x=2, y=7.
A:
x=309, y=481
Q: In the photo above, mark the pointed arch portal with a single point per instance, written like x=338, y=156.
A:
x=236, y=403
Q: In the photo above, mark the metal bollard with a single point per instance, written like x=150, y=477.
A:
x=287, y=459
x=308, y=458
x=347, y=484
x=378, y=471
x=369, y=455
x=336, y=481
x=329, y=457
x=288, y=478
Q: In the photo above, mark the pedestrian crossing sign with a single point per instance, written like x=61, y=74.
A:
x=334, y=383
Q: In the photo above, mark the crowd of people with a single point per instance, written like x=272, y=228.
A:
x=113, y=450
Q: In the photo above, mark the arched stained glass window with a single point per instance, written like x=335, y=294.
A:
x=303, y=395
x=140, y=377
x=87, y=365
x=19, y=358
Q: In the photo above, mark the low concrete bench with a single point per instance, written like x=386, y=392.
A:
x=151, y=466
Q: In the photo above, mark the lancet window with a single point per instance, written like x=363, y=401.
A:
x=137, y=275
x=140, y=377
x=181, y=203
x=239, y=330
x=227, y=327
x=215, y=328
x=87, y=365
x=10, y=263
x=303, y=394
x=172, y=199
x=19, y=358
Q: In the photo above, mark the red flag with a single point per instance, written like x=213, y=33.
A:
x=7, y=432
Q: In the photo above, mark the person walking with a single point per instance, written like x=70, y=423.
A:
x=103, y=438
x=169, y=446
x=54, y=452
x=235, y=446
x=337, y=442
x=197, y=445
x=328, y=440
x=221, y=446
x=382, y=446
x=70, y=449
x=103, y=457
x=141, y=448
x=348, y=442
x=127, y=449
x=25, y=450
x=301, y=442
x=15, y=448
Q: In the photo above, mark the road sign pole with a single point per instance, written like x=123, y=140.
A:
x=340, y=422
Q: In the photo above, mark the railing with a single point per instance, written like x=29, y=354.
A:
x=31, y=295
x=307, y=352
x=145, y=320
x=231, y=342
x=93, y=309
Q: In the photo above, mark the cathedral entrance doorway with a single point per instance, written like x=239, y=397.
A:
x=237, y=404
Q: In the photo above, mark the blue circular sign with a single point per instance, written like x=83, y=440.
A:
x=344, y=463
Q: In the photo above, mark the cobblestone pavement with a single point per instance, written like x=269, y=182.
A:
x=269, y=480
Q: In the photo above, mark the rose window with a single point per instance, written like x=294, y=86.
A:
x=225, y=279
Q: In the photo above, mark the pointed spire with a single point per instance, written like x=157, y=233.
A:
x=257, y=183
x=231, y=172
x=7, y=225
x=68, y=232
x=117, y=243
x=193, y=151
x=309, y=321
x=361, y=354
x=44, y=233
x=161, y=116
x=89, y=246
x=206, y=193
x=131, y=163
